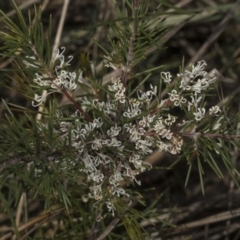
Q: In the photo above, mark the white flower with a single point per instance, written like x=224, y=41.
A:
x=136, y=133
x=96, y=177
x=96, y=192
x=159, y=125
x=119, y=89
x=59, y=56
x=113, y=142
x=120, y=95
x=65, y=79
x=195, y=79
x=128, y=126
x=133, y=110
x=166, y=76
x=135, y=159
x=111, y=207
x=104, y=159
x=199, y=115
x=144, y=146
x=116, y=178
x=185, y=81
x=166, y=134
x=146, y=120
x=198, y=69
x=41, y=80
x=119, y=191
x=161, y=146
x=97, y=122
x=174, y=97
x=214, y=110
x=153, y=89
x=114, y=131
x=96, y=144
x=176, y=146
x=197, y=87
x=97, y=104
x=39, y=99
x=170, y=120
x=116, y=86
x=146, y=96
x=89, y=163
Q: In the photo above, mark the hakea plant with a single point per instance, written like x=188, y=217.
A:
x=111, y=146
x=97, y=145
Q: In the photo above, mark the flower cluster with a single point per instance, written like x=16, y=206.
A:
x=192, y=83
x=59, y=80
x=111, y=148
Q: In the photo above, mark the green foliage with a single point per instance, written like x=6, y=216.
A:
x=79, y=157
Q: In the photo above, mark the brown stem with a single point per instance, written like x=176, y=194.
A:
x=70, y=98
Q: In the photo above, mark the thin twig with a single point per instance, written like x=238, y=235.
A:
x=50, y=215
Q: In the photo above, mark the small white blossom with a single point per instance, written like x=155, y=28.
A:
x=132, y=111
x=119, y=191
x=96, y=192
x=136, y=133
x=214, y=110
x=42, y=79
x=119, y=89
x=159, y=126
x=169, y=120
x=166, y=134
x=146, y=96
x=97, y=144
x=162, y=146
x=115, y=179
x=97, y=122
x=113, y=142
x=61, y=58
x=198, y=69
x=143, y=145
x=96, y=177
x=114, y=131
x=98, y=105
x=174, y=97
x=111, y=207
x=39, y=99
x=166, y=76
x=146, y=121
x=176, y=146
x=199, y=115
